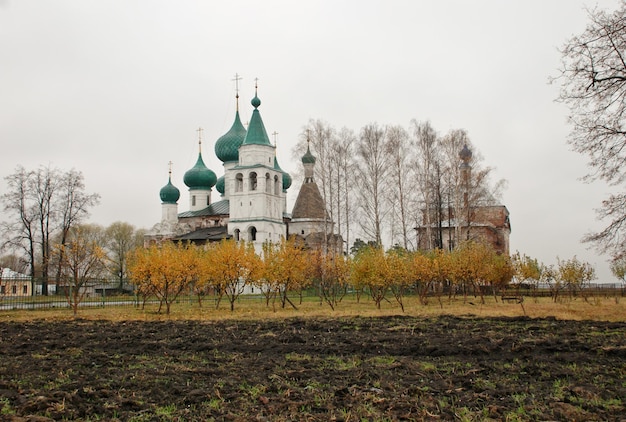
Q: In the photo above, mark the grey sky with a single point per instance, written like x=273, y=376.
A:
x=117, y=89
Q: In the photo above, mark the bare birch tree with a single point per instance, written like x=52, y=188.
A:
x=402, y=183
x=373, y=177
x=427, y=160
x=345, y=184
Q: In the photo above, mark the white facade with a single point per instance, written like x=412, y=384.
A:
x=256, y=197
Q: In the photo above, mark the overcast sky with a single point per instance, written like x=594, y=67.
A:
x=117, y=88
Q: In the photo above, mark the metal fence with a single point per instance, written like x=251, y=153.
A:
x=27, y=293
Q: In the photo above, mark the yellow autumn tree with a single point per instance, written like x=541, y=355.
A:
x=82, y=260
x=369, y=269
x=165, y=270
x=399, y=273
x=232, y=266
x=431, y=272
x=330, y=273
x=203, y=284
x=465, y=270
x=284, y=269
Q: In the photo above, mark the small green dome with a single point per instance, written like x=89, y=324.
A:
x=256, y=102
x=286, y=181
x=220, y=185
x=308, y=158
x=199, y=176
x=286, y=177
x=256, y=134
x=227, y=146
x=169, y=193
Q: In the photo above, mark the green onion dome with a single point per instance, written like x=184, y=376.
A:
x=169, y=193
x=220, y=185
x=199, y=176
x=308, y=158
x=286, y=177
x=227, y=146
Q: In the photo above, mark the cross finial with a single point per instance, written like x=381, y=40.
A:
x=256, y=85
x=275, y=134
x=169, y=164
x=199, y=130
x=237, y=79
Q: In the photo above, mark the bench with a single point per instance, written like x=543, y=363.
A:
x=516, y=299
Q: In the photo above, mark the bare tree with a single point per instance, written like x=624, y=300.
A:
x=43, y=203
x=372, y=172
x=402, y=182
x=428, y=175
x=21, y=232
x=593, y=86
x=42, y=188
x=121, y=238
x=72, y=206
x=452, y=143
x=344, y=156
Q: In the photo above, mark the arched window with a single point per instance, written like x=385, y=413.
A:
x=239, y=182
x=236, y=235
x=252, y=181
x=193, y=200
x=268, y=183
x=276, y=186
x=252, y=234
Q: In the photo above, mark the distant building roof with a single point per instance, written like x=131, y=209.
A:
x=207, y=234
x=8, y=273
x=309, y=203
x=216, y=208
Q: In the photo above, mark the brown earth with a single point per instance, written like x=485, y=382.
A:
x=388, y=368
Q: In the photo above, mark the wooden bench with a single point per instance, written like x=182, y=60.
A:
x=516, y=299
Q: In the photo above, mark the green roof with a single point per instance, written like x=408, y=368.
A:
x=219, y=186
x=308, y=158
x=169, y=193
x=257, y=135
x=227, y=146
x=286, y=176
x=199, y=176
x=216, y=208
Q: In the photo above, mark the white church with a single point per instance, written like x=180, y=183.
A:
x=252, y=203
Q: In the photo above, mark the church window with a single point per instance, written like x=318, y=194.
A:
x=268, y=183
x=239, y=182
x=302, y=231
x=208, y=200
x=236, y=235
x=253, y=181
x=252, y=234
x=193, y=200
x=276, y=186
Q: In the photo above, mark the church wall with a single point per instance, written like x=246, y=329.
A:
x=257, y=155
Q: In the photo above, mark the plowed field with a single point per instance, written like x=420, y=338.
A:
x=350, y=369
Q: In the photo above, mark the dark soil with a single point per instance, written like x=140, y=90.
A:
x=393, y=368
